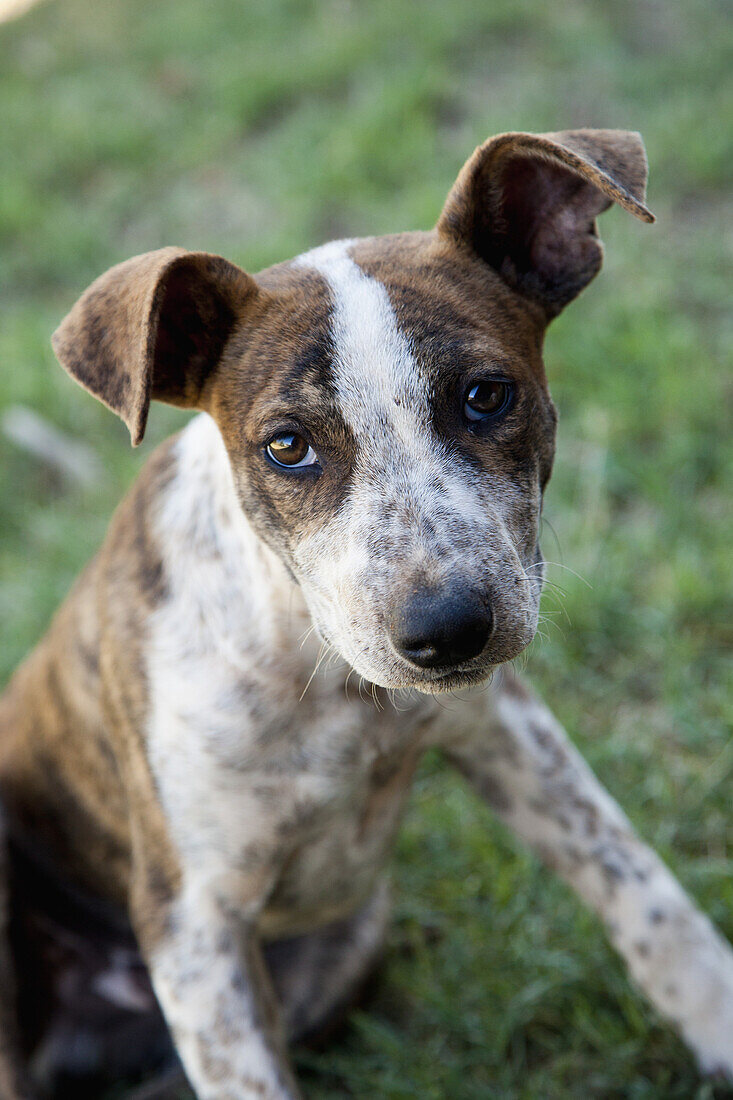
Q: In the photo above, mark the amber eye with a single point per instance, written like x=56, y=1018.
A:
x=486, y=400
x=291, y=450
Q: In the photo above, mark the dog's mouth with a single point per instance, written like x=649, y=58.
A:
x=439, y=680
x=453, y=681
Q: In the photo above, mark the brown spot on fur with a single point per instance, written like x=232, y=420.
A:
x=216, y=1067
x=495, y=794
x=283, y=380
x=388, y=777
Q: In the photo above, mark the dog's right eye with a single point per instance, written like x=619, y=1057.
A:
x=291, y=450
x=487, y=399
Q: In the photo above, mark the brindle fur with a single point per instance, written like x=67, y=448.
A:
x=179, y=787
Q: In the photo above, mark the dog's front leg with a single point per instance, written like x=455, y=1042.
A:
x=209, y=976
x=520, y=760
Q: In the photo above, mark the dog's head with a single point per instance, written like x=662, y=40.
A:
x=383, y=401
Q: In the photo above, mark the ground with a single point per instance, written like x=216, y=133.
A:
x=259, y=130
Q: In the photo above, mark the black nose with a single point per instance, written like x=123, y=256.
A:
x=436, y=630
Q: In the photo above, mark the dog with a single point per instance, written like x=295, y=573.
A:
x=197, y=806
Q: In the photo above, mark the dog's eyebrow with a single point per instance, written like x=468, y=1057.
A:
x=313, y=356
x=318, y=422
x=305, y=403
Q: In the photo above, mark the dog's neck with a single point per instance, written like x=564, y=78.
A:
x=219, y=564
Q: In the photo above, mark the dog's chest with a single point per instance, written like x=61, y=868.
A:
x=332, y=868
x=296, y=800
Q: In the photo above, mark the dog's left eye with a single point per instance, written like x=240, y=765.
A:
x=487, y=399
x=290, y=450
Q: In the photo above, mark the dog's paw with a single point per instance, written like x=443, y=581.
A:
x=710, y=1037
x=716, y=1066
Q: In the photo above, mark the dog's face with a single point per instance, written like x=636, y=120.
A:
x=383, y=401
x=390, y=433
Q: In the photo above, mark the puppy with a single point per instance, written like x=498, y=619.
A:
x=198, y=805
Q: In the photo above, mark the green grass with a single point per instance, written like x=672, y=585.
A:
x=262, y=128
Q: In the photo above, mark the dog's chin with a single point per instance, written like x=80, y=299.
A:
x=452, y=680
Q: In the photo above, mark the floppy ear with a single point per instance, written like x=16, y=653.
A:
x=154, y=326
x=527, y=203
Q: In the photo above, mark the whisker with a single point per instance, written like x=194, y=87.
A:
x=567, y=568
x=322, y=654
x=352, y=670
x=546, y=523
x=306, y=635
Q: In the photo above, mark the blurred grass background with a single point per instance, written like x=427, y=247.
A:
x=263, y=128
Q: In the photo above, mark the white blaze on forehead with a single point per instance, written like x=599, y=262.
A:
x=385, y=398
x=377, y=378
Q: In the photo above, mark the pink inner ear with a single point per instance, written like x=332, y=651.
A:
x=562, y=247
x=546, y=207
x=547, y=237
x=195, y=320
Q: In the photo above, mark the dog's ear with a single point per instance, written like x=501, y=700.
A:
x=527, y=203
x=152, y=327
